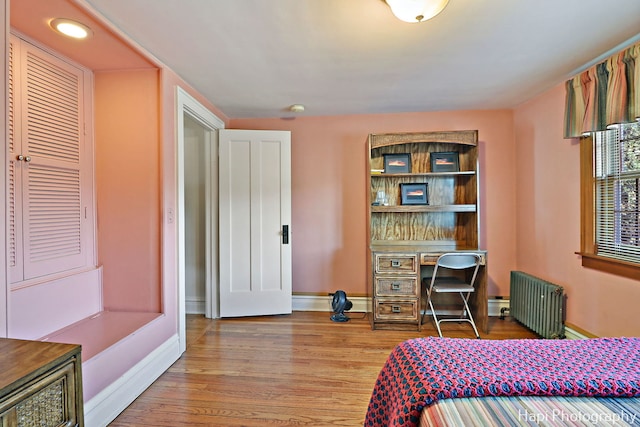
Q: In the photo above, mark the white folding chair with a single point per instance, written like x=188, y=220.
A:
x=442, y=283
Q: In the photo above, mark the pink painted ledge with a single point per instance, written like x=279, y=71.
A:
x=101, y=331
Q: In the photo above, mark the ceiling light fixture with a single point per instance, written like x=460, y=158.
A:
x=296, y=108
x=416, y=10
x=70, y=28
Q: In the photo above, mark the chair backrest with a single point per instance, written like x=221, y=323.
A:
x=458, y=261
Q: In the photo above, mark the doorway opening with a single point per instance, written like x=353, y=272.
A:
x=197, y=210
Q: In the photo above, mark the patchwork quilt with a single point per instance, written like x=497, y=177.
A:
x=420, y=371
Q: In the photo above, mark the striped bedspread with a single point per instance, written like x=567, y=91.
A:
x=422, y=371
x=552, y=411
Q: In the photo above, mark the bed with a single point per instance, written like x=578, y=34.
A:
x=454, y=381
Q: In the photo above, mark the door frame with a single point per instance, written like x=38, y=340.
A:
x=186, y=104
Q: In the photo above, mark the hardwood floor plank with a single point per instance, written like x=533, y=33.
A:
x=295, y=370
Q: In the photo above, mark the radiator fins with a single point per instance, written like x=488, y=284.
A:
x=537, y=304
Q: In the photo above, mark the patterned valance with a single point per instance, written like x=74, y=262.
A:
x=607, y=93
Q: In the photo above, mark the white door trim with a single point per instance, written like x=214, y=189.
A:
x=186, y=104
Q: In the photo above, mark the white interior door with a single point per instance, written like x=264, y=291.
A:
x=255, y=222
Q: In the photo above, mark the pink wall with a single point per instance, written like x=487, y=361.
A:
x=328, y=191
x=548, y=221
x=136, y=176
x=128, y=188
x=135, y=111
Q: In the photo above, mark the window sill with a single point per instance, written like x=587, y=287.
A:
x=610, y=265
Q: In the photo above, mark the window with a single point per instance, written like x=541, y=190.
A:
x=611, y=200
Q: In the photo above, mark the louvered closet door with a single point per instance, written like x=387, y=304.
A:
x=14, y=210
x=48, y=215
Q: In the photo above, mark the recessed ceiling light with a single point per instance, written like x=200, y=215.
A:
x=70, y=28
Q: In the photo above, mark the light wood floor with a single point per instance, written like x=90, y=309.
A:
x=292, y=370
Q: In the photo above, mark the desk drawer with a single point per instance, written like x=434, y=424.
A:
x=431, y=258
x=396, y=286
x=405, y=310
x=396, y=263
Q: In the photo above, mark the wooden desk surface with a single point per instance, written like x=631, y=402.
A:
x=427, y=251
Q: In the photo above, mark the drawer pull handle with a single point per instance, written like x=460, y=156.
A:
x=396, y=309
x=395, y=286
x=395, y=263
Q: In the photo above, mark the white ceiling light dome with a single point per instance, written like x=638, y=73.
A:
x=416, y=10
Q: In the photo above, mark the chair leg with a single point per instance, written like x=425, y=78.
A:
x=435, y=318
x=468, y=311
x=465, y=316
x=427, y=300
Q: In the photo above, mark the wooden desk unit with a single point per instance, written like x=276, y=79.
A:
x=423, y=201
x=40, y=384
x=397, y=295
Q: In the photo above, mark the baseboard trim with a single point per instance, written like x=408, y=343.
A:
x=301, y=302
x=110, y=402
x=323, y=303
x=361, y=304
x=572, y=334
x=195, y=306
x=496, y=305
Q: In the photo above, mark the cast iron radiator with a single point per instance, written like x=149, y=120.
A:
x=537, y=304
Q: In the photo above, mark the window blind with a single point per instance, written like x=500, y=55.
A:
x=617, y=192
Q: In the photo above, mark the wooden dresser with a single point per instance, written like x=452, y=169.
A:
x=40, y=384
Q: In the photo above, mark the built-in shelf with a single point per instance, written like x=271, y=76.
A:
x=424, y=208
x=406, y=175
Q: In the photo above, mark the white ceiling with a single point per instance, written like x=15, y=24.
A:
x=254, y=58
